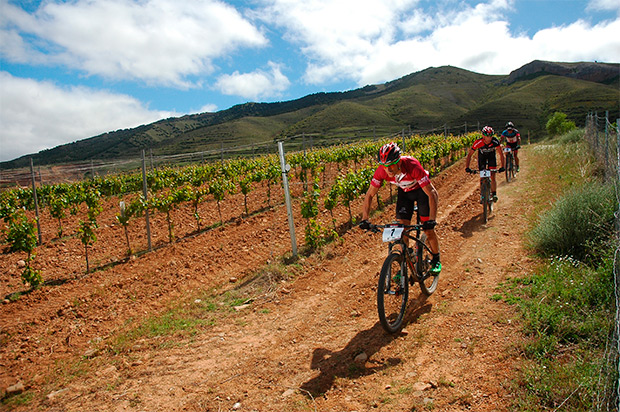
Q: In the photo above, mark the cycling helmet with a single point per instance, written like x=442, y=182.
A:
x=510, y=125
x=389, y=154
x=487, y=131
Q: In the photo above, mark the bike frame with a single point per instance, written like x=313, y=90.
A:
x=400, y=243
x=485, y=191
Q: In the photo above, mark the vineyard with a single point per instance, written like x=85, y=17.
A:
x=217, y=320
x=108, y=220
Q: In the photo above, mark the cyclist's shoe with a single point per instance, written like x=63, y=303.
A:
x=435, y=266
x=517, y=168
x=494, y=198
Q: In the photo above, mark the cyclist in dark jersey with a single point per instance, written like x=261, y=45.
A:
x=512, y=137
x=414, y=186
x=487, y=147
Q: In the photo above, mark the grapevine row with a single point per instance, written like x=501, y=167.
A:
x=170, y=187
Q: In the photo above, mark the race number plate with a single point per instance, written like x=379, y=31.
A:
x=485, y=173
x=392, y=233
x=507, y=150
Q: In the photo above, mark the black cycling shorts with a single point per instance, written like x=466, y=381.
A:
x=487, y=161
x=406, y=201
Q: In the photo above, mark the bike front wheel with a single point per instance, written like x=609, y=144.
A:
x=485, y=190
x=427, y=279
x=392, y=293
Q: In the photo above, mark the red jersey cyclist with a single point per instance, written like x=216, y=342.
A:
x=414, y=186
x=512, y=137
x=487, y=147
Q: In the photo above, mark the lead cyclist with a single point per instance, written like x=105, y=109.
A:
x=414, y=186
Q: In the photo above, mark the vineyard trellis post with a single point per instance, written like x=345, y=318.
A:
x=36, y=201
x=287, y=197
x=146, y=210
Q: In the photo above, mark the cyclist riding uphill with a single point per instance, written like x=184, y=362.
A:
x=513, y=140
x=414, y=185
x=487, y=146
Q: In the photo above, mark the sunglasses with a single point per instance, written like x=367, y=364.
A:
x=389, y=163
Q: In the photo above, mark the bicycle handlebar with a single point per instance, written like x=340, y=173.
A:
x=375, y=228
x=478, y=170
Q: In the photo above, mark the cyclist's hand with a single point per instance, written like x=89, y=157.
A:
x=502, y=169
x=364, y=224
x=468, y=170
x=429, y=225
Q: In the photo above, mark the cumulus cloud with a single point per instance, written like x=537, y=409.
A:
x=371, y=42
x=156, y=41
x=254, y=85
x=604, y=5
x=42, y=115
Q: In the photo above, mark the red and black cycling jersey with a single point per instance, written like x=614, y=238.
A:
x=484, y=148
x=412, y=175
x=486, y=153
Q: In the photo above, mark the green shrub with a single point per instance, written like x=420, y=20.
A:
x=557, y=124
x=578, y=224
x=574, y=136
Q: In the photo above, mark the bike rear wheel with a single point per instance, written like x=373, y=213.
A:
x=427, y=280
x=392, y=293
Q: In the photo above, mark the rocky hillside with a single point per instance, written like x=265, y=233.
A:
x=605, y=73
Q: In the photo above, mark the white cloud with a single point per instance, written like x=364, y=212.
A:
x=207, y=108
x=338, y=36
x=156, y=41
x=376, y=41
x=40, y=115
x=604, y=5
x=255, y=85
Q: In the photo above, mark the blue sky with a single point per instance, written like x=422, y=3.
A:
x=74, y=69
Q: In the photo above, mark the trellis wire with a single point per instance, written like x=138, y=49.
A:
x=604, y=140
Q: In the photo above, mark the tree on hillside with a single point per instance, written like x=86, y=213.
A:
x=558, y=125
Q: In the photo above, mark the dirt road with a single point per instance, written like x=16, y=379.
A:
x=310, y=343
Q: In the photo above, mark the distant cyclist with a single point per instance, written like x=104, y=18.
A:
x=414, y=186
x=487, y=147
x=513, y=140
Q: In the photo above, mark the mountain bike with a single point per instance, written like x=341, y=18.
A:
x=511, y=168
x=394, y=279
x=485, y=192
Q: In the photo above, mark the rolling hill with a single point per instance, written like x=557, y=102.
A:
x=436, y=97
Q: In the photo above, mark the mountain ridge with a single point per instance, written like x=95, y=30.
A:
x=426, y=99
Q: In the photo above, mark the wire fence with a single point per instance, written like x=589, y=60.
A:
x=604, y=140
x=76, y=171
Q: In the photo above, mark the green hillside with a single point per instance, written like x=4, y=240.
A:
x=433, y=98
